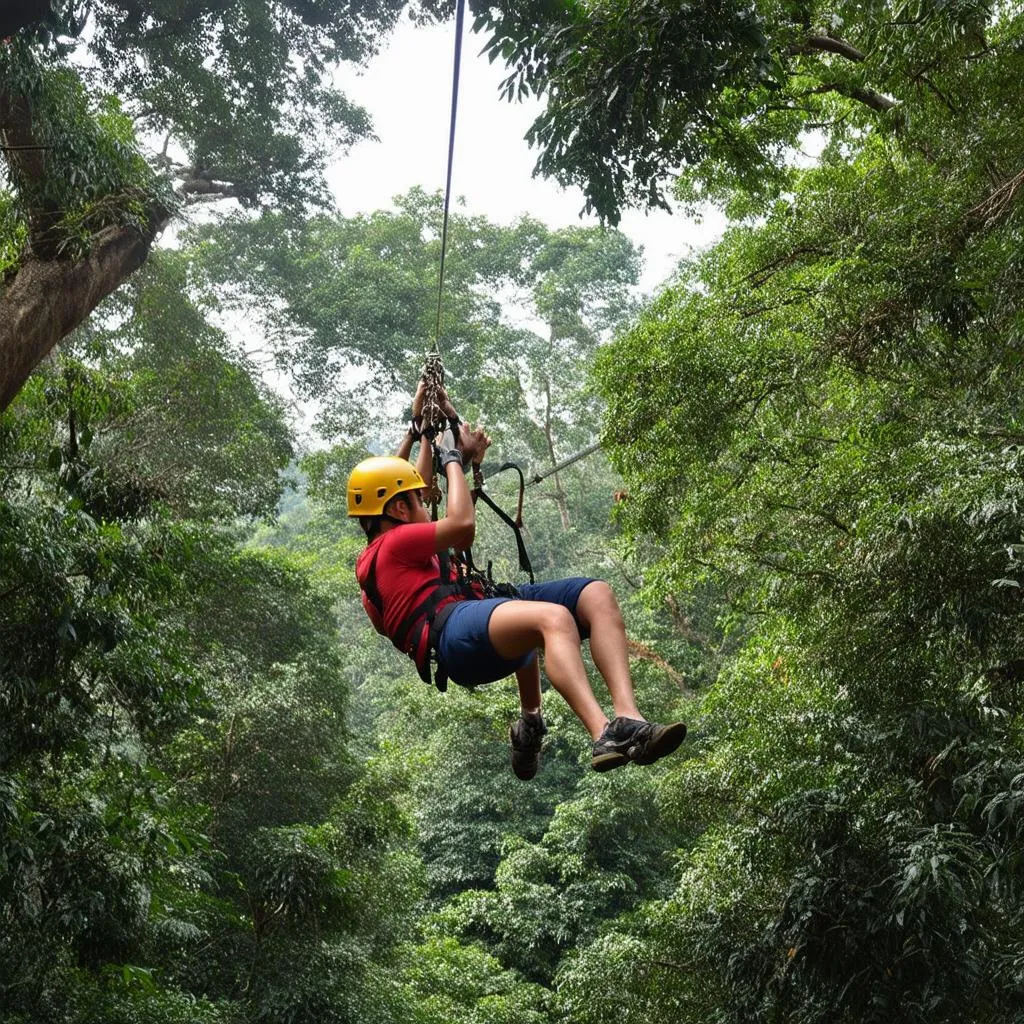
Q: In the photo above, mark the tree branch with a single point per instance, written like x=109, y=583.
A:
x=999, y=202
x=26, y=162
x=869, y=97
x=643, y=653
x=829, y=44
x=208, y=187
x=757, y=278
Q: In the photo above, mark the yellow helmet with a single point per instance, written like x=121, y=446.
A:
x=374, y=482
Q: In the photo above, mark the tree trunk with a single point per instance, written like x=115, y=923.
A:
x=47, y=299
x=18, y=14
x=47, y=295
x=563, y=506
x=644, y=653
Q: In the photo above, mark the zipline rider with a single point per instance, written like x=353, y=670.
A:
x=420, y=597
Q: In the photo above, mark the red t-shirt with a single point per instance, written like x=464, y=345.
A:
x=407, y=570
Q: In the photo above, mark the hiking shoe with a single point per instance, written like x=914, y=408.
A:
x=526, y=735
x=628, y=739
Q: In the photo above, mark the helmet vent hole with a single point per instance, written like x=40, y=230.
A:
x=358, y=499
x=381, y=491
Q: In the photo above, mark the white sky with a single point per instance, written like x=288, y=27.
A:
x=407, y=91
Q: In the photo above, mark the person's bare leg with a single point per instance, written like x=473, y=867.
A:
x=528, y=680
x=599, y=612
x=517, y=627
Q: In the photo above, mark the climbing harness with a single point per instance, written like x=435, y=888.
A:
x=456, y=581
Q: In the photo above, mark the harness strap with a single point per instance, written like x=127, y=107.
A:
x=524, y=558
x=370, y=588
x=426, y=611
x=433, y=639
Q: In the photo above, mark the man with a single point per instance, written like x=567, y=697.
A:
x=425, y=609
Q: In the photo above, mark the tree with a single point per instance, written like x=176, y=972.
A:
x=829, y=410
x=184, y=831
x=240, y=94
x=334, y=292
x=581, y=281
x=635, y=93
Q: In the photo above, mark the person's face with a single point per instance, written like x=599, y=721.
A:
x=409, y=508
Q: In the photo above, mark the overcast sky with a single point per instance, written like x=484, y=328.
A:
x=407, y=91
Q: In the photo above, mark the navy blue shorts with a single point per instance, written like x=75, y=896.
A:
x=465, y=650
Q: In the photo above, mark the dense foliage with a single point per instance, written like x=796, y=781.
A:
x=833, y=396
x=179, y=804
x=114, y=115
x=224, y=798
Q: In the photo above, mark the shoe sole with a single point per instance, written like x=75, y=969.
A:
x=606, y=762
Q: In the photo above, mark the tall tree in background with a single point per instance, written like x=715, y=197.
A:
x=332, y=292
x=235, y=100
x=185, y=833
x=580, y=281
x=823, y=421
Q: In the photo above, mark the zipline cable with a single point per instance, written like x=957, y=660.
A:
x=433, y=416
x=589, y=450
x=460, y=12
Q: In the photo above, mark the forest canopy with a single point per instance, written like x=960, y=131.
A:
x=224, y=798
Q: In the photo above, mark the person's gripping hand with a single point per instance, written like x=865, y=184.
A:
x=473, y=442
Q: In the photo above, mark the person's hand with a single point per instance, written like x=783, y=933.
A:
x=473, y=442
x=443, y=401
x=446, y=405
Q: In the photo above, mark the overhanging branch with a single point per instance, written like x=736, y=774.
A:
x=862, y=94
x=828, y=44
x=47, y=299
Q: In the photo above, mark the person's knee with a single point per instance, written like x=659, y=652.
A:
x=597, y=601
x=556, y=621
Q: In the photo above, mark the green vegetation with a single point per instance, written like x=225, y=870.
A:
x=223, y=798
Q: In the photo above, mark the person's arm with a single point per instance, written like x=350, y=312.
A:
x=412, y=434
x=425, y=461
x=404, y=449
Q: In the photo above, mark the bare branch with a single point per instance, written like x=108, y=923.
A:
x=828, y=44
x=995, y=206
x=206, y=187
x=869, y=97
x=643, y=653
